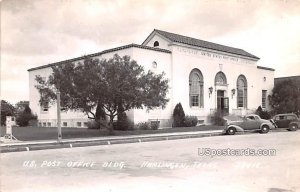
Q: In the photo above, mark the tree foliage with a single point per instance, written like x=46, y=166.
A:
x=104, y=87
x=286, y=97
x=24, y=117
x=263, y=114
x=7, y=109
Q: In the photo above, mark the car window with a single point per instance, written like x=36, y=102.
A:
x=256, y=118
x=281, y=117
x=290, y=117
x=250, y=117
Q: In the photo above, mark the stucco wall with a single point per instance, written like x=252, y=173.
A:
x=163, y=60
x=185, y=59
x=163, y=42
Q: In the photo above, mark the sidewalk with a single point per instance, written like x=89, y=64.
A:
x=16, y=146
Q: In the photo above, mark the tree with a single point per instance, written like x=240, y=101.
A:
x=286, y=97
x=20, y=106
x=25, y=116
x=7, y=109
x=178, y=116
x=110, y=87
x=262, y=114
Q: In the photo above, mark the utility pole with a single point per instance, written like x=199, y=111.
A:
x=58, y=117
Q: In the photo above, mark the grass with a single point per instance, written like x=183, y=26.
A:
x=50, y=133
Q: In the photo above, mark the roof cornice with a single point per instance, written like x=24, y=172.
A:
x=101, y=53
x=265, y=68
x=201, y=43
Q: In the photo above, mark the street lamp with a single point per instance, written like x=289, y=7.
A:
x=232, y=93
x=210, y=90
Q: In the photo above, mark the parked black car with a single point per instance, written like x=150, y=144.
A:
x=288, y=121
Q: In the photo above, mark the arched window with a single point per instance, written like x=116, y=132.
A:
x=220, y=79
x=156, y=44
x=242, y=91
x=196, y=88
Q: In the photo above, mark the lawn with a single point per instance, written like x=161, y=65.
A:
x=49, y=133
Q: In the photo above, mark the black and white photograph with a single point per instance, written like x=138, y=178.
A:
x=150, y=95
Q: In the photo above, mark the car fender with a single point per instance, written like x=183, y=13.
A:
x=294, y=123
x=238, y=128
x=269, y=125
x=273, y=123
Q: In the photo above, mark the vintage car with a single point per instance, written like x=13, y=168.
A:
x=250, y=122
x=287, y=121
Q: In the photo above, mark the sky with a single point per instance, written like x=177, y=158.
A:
x=39, y=32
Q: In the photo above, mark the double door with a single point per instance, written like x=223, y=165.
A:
x=222, y=102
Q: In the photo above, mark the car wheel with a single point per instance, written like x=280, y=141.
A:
x=264, y=129
x=293, y=127
x=231, y=131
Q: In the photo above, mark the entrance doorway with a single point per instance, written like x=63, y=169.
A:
x=222, y=102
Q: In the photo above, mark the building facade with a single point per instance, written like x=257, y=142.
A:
x=204, y=77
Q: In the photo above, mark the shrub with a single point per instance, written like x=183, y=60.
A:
x=93, y=124
x=178, y=116
x=263, y=114
x=217, y=118
x=155, y=125
x=103, y=123
x=123, y=123
x=190, y=121
x=143, y=126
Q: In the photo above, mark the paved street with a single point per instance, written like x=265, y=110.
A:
x=173, y=165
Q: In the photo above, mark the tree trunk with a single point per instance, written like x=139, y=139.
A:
x=110, y=126
x=100, y=114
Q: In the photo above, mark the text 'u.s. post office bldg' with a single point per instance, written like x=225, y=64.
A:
x=204, y=77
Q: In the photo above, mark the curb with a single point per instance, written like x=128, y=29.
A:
x=70, y=144
x=112, y=141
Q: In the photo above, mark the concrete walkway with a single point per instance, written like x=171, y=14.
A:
x=15, y=145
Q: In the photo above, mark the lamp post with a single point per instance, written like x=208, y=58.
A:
x=232, y=93
x=59, y=138
x=210, y=90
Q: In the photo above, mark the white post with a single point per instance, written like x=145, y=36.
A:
x=9, y=127
x=58, y=117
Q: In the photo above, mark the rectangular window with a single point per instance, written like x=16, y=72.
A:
x=63, y=109
x=78, y=124
x=195, y=100
x=45, y=107
x=201, y=96
x=290, y=117
x=85, y=124
x=240, y=98
x=196, y=97
x=44, y=124
x=264, y=99
x=48, y=124
x=226, y=102
x=65, y=124
x=245, y=99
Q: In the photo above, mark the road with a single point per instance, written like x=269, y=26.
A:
x=173, y=165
